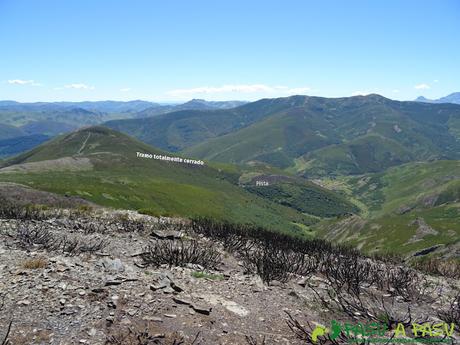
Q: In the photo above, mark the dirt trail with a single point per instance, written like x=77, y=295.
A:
x=84, y=144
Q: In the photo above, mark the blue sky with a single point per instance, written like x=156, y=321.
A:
x=218, y=50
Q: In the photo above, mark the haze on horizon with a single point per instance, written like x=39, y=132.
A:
x=176, y=51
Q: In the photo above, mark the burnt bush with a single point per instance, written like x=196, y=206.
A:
x=9, y=210
x=253, y=340
x=121, y=223
x=452, y=314
x=272, y=263
x=232, y=237
x=305, y=333
x=267, y=263
x=404, y=282
x=235, y=236
x=349, y=272
x=5, y=339
x=274, y=255
x=90, y=226
x=369, y=307
x=180, y=253
x=125, y=224
x=39, y=237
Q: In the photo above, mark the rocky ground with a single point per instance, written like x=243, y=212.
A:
x=107, y=295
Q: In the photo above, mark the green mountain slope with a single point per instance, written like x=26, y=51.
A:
x=178, y=130
x=101, y=165
x=368, y=153
x=302, y=195
x=409, y=208
x=274, y=140
x=342, y=136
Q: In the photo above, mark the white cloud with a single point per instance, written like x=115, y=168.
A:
x=395, y=91
x=436, y=81
x=241, y=88
x=22, y=82
x=422, y=87
x=79, y=86
x=126, y=89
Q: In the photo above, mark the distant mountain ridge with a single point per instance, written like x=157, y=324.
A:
x=178, y=130
x=135, y=106
x=194, y=104
x=307, y=135
x=452, y=98
x=93, y=106
x=304, y=135
x=18, y=120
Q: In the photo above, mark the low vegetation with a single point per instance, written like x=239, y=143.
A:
x=204, y=275
x=452, y=314
x=180, y=253
x=305, y=197
x=35, y=263
x=39, y=237
x=440, y=267
x=115, y=177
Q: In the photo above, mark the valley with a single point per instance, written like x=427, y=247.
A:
x=356, y=170
x=362, y=201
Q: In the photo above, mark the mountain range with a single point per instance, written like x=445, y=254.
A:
x=405, y=209
x=452, y=98
x=310, y=136
x=25, y=125
x=379, y=174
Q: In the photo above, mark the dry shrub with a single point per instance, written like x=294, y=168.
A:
x=451, y=315
x=39, y=237
x=436, y=266
x=305, y=333
x=9, y=210
x=180, y=253
x=34, y=263
x=253, y=340
x=272, y=263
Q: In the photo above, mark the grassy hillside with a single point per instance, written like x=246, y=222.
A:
x=368, y=153
x=409, y=208
x=274, y=140
x=178, y=130
x=101, y=165
x=304, y=196
x=352, y=135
